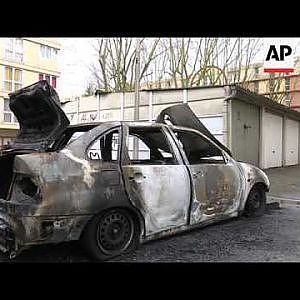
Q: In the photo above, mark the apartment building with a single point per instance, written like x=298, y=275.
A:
x=283, y=88
x=24, y=61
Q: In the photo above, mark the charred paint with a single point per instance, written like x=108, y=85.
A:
x=162, y=193
x=49, y=196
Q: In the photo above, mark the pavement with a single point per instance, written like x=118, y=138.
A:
x=284, y=185
x=273, y=237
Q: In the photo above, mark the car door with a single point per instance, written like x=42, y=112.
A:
x=156, y=179
x=93, y=170
x=215, y=176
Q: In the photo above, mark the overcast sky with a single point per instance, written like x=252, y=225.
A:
x=75, y=57
x=77, y=54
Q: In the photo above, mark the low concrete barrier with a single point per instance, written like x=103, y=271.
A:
x=283, y=201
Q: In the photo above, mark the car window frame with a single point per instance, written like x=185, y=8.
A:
x=171, y=144
x=117, y=161
x=175, y=129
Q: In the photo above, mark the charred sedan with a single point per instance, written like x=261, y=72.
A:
x=88, y=182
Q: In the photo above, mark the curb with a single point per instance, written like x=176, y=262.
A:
x=283, y=201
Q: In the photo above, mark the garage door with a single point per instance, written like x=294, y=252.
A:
x=215, y=125
x=272, y=147
x=291, y=142
x=245, y=132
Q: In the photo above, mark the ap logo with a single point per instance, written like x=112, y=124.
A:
x=279, y=58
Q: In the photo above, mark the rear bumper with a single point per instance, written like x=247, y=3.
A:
x=20, y=230
x=7, y=238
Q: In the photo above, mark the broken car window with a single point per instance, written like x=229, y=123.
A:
x=75, y=136
x=197, y=149
x=105, y=148
x=153, y=147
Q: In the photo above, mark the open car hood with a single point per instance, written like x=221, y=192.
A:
x=182, y=115
x=41, y=119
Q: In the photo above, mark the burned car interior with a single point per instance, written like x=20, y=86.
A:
x=106, y=147
x=198, y=149
x=114, y=185
x=153, y=147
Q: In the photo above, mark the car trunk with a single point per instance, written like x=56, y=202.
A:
x=41, y=119
x=42, y=124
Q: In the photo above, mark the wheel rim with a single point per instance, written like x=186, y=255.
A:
x=115, y=232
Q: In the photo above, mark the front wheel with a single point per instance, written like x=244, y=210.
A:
x=256, y=202
x=110, y=234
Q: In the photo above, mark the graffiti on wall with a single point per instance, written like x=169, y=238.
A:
x=89, y=117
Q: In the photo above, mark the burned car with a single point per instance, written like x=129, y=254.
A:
x=113, y=185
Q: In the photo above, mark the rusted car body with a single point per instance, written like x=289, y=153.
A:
x=87, y=182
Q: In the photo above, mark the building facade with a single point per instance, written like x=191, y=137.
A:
x=280, y=87
x=283, y=88
x=24, y=61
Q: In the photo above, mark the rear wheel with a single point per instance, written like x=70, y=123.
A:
x=256, y=202
x=110, y=234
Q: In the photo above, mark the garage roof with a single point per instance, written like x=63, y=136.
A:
x=235, y=92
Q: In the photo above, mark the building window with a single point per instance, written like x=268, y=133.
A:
x=14, y=50
x=48, y=52
x=231, y=78
x=288, y=99
x=287, y=84
x=272, y=83
x=205, y=80
x=12, y=79
x=5, y=141
x=52, y=80
x=8, y=116
x=256, y=87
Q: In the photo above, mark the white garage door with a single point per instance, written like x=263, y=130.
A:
x=215, y=125
x=272, y=148
x=291, y=142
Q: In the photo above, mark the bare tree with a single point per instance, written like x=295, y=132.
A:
x=116, y=61
x=189, y=59
x=182, y=62
x=90, y=89
x=202, y=61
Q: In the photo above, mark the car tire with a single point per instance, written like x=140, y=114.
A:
x=256, y=202
x=110, y=234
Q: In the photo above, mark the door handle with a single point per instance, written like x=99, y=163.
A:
x=195, y=174
x=137, y=177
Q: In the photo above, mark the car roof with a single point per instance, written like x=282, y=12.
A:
x=88, y=126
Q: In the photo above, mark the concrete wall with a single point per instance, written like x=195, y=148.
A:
x=207, y=103
x=120, y=106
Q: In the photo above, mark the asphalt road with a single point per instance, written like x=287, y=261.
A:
x=274, y=237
